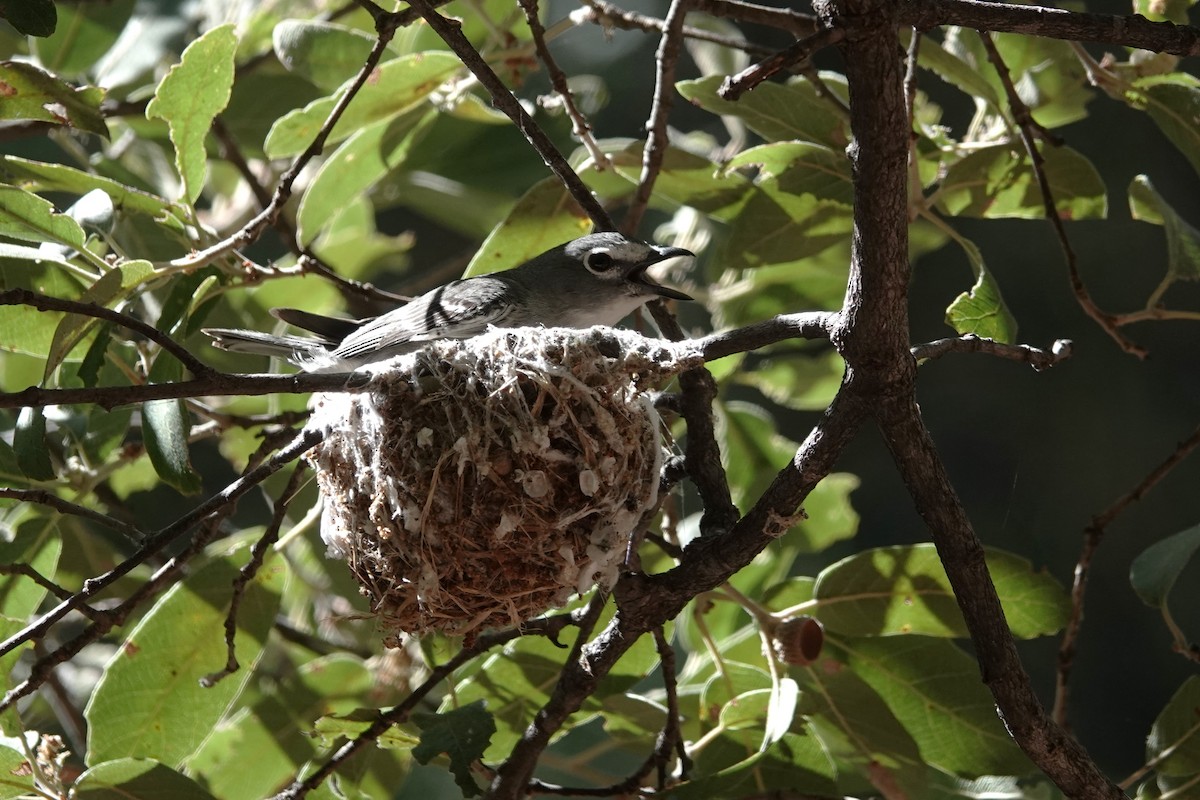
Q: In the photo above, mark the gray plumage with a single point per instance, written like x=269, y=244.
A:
x=594, y=280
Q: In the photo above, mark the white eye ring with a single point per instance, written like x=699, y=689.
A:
x=598, y=261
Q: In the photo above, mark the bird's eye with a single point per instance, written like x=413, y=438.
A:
x=598, y=261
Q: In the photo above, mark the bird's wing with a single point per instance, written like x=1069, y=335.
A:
x=458, y=310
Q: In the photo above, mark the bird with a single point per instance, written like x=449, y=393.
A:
x=597, y=279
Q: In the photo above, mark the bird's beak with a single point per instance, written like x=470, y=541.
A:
x=641, y=275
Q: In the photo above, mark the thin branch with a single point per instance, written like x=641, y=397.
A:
x=503, y=99
x=1053, y=23
x=558, y=79
x=735, y=86
x=1038, y=359
x=606, y=14
x=45, y=498
x=155, y=543
x=12, y=297
x=655, y=150
x=250, y=232
x=26, y=571
x=545, y=626
x=1093, y=534
x=1027, y=127
x=785, y=19
x=249, y=570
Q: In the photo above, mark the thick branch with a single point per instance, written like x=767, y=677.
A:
x=1053, y=23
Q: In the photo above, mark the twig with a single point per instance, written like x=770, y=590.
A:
x=157, y=542
x=44, y=498
x=503, y=99
x=322, y=647
x=1025, y=124
x=12, y=297
x=44, y=666
x=970, y=343
x=385, y=29
x=785, y=19
x=1093, y=534
x=558, y=79
x=1053, y=23
x=547, y=626
x=735, y=86
x=26, y=571
x=655, y=149
x=601, y=12
x=249, y=570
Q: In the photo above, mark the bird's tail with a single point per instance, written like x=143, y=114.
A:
x=296, y=349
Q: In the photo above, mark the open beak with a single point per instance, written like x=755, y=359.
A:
x=642, y=276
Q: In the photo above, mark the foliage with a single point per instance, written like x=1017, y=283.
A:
x=149, y=137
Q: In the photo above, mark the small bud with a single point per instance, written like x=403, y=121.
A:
x=798, y=640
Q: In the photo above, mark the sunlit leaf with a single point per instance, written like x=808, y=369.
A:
x=981, y=310
x=546, y=216
x=136, y=779
x=462, y=734
x=190, y=97
x=904, y=590
x=1183, y=239
x=149, y=701
x=997, y=182
x=397, y=86
x=325, y=53
x=33, y=94
x=775, y=111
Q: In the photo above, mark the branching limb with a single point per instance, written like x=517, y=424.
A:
x=558, y=79
x=655, y=150
x=45, y=498
x=785, y=19
x=735, y=86
x=25, y=297
x=503, y=99
x=385, y=28
x=601, y=12
x=1053, y=23
x=155, y=543
x=1029, y=130
x=549, y=627
x=1093, y=534
x=1038, y=359
x=250, y=569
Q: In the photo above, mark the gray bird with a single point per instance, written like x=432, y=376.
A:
x=594, y=280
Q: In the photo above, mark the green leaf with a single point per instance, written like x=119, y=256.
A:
x=396, y=86
x=40, y=176
x=29, y=443
x=804, y=381
x=1175, y=109
x=24, y=329
x=136, y=779
x=982, y=310
x=33, y=94
x=775, y=111
x=16, y=779
x=514, y=683
x=84, y=34
x=801, y=168
x=113, y=287
x=858, y=730
x=190, y=96
x=356, y=166
x=689, y=180
x=462, y=734
x=904, y=590
x=545, y=216
x=750, y=440
x=1154, y=572
x=30, y=17
x=323, y=52
x=38, y=543
x=149, y=701
x=1175, y=736
x=1183, y=240
x=957, y=67
x=277, y=728
x=933, y=689
x=998, y=182
x=165, y=426
x=25, y=216
x=796, y=764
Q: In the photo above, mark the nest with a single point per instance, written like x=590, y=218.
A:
x=479, y=482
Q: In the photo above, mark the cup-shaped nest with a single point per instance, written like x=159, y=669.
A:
x=479, y=482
